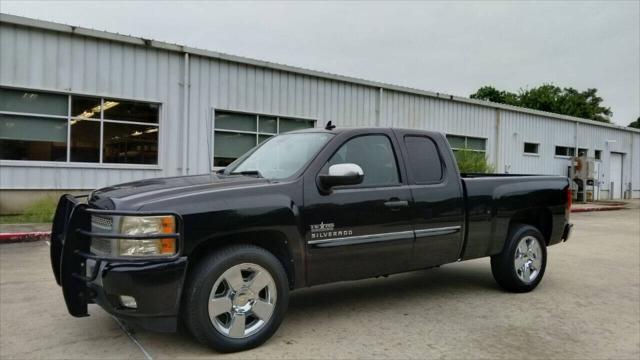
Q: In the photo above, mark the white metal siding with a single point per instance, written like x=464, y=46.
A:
x=38, y=59
x=48, y=60
x=518, y=128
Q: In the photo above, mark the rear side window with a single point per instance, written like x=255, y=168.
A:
x=374, y=154
x=424, y=161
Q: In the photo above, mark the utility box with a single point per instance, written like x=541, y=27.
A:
x=583, y=173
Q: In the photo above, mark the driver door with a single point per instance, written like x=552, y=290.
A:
x=363, y=230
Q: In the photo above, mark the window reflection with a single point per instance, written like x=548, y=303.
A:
x=129, y=143
x=85, y=141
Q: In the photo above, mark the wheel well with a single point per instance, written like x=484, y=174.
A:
x=272, y=241
x=539, y=218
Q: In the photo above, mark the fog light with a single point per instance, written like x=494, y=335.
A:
x=128, y=301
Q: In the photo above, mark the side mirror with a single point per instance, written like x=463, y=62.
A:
x=341, y=174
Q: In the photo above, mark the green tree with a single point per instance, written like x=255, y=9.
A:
x=470, y=161
x=489, y=93
x=635, y=124
x=548, y=97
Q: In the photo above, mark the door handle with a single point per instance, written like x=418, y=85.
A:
x=396, y=204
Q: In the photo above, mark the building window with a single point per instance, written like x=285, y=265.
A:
x=39, y=126
x=565, y=151
x=583, y=152
x=236, y=133
x=531, y=148
x=598, y=154
x=466, y=142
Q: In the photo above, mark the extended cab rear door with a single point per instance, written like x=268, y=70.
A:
x=362, y=230
x=438, y=208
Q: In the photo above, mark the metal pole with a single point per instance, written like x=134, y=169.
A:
x=185, y=116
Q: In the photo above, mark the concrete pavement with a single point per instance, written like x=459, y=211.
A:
x=587, y=306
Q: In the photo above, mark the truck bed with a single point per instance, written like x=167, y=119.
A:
x=492, y=201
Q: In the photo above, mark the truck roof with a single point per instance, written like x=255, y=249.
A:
x=340, y=130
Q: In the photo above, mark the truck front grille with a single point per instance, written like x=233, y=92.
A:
x=101, y=246
x=101, y=224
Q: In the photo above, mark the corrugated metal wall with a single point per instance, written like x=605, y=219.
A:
x=38, y=59
x=41, y=59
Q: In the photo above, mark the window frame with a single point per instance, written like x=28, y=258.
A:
x=257, y=133
x=86, y=165
x=466, y=141
x=537, y=153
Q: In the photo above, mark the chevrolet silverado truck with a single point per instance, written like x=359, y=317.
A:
x=220, y=252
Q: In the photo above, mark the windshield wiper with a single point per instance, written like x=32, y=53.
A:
x=255, y=173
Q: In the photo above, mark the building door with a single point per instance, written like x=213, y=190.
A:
x=615, y=175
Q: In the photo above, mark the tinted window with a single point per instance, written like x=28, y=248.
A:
x=33, y=102
x=530, y=148
x=130, y=144
x=424, y=161
x=85, y=107
x=85, y=140
x=33, y=138
x=294, y=124
x=130, y=111
x=565, y=151
x=374, y=154
x=233, y=121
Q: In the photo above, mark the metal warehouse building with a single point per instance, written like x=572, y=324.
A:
x=81, y=109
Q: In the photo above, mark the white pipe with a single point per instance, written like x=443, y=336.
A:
x=186, y=87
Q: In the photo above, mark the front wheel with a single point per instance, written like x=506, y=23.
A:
x=521, y=265
x=236, y=298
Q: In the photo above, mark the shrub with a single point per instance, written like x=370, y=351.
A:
x=472, y=162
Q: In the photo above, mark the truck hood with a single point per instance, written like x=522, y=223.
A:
x=135, y=195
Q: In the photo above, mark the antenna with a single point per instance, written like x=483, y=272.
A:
x=329, y=126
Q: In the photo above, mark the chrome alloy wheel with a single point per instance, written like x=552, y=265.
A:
x=242, y=300
x=528, y=259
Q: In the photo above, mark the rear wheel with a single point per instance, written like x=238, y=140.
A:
x=521, y=265
x=236, y=298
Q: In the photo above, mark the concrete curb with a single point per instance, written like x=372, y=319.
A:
x=599, y=208
x=6, y=238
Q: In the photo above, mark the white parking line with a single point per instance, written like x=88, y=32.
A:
x=133, y=339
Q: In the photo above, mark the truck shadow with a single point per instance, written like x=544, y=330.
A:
x=402, y=293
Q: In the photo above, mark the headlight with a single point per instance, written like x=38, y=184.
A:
x=133, y=225
x=147, y=225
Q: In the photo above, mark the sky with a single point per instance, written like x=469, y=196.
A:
x=446, y=47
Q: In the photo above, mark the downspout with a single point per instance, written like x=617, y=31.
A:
x=186, y=87
x=575, y=137
x=499, y=166
x=379, y=107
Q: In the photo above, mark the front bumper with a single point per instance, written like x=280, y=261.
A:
x=155, y=284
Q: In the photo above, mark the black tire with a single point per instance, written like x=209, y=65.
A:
x=503, y=265
x=199, y=286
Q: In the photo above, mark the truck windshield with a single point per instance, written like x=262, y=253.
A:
x=280, y=156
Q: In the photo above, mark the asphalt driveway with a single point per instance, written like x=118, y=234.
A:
x=587, y=306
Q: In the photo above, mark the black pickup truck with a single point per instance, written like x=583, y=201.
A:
x=220, y=252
